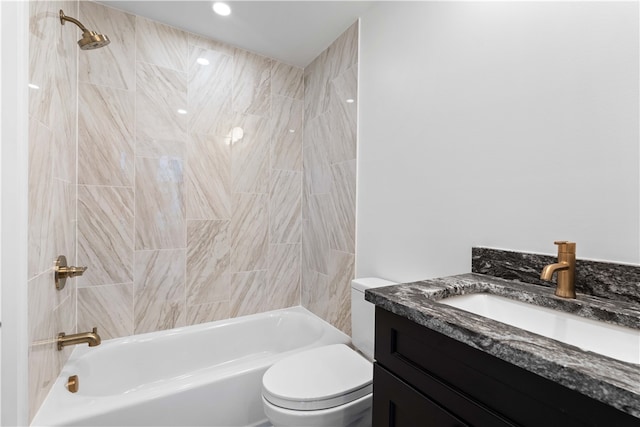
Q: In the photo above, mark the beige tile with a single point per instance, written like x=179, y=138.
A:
x=249, y=232
x=113, y=66
x=287, y=126
x=159, y=276
x=105, y=234
x=342, y=117
x=105, y=136
x=343, y=52
x=161, y=44
x=208, y=181
x=204, y=313
x=41, y=251
x=208, y=255
x=160, y=207
x=159, y=290
x=318, y=295
x=205, y=43
x=209, y=91
x=316, y=155
x=160, y=93
x=342, y=273
x=156, y=148
x=285, y=207
x=250, y=156
x=160, y=316
x=251, y=83
x=64, y=220
x=42, y=300
x=109, y=308
x=65, y=319
x=316, y=87
x=287, y=80
x=43, y=371
x=317, y=232
x=283, y=289
x=248, y=293
x=343, y=197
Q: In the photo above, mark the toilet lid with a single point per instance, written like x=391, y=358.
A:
x=320, y=378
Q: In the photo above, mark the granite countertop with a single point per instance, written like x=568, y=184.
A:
x=610, y=381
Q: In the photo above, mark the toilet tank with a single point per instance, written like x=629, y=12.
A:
x=363, y=314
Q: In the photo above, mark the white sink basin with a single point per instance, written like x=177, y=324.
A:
x=614, y=341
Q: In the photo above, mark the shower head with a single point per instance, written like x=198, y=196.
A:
x=90, y=39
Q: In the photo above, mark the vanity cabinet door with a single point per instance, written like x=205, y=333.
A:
x=397, y=404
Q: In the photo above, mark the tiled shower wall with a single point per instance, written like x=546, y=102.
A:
x=52, y=178
x=177, y=224
x=329, y=199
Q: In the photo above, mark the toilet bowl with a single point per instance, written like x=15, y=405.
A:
x=330, y=385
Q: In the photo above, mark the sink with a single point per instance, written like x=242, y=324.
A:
x=614, y=341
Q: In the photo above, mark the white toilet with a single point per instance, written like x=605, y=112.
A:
x=329, y=385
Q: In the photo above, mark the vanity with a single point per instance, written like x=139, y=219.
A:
x=440, y=365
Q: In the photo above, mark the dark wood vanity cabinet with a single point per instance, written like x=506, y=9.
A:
x=424, y=378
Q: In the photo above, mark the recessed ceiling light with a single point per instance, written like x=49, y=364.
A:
x=221, y=9
x=202, y=61
x=350, y=101
x=181, y=111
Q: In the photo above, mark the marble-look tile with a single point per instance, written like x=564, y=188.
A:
x=160, y=44
x=41, y=199
x=318, y=295
x=160, y=93
x=42, y=300
x=159, y=276
x=65, y=320
x=108, y=307
x=204, y=313
x=160, y=316
x=283, y=289
x=316, y=87
x=250, y=156
x=343, y=197
x=159, y=204
x=105, y=234
x=63, y=212
x=251, y=83
x=287, y=127
x=249, y=232
x=343, y=116
x=205, y=43
x=43, y=371
x=156, y=148
x=208, y=180
x=342, y=273
x=248, y=293
x=285, y=207
x=343, y=52
x=52, y=67
x=316, y=239
x=316, y=155
x=208, y=255
x=209, y=91
x=105, y=136
x=287, y=80
x=159, y=290
x=115, y=65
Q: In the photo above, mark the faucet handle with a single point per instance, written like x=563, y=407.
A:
x=565, y=246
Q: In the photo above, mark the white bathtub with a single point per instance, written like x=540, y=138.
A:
x=209, y=374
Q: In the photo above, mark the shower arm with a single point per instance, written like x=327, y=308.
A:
x=64, y=17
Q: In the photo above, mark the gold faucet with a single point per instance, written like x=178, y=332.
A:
x=566, y=268
x=91, y=338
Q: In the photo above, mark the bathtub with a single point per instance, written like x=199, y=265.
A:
x=209, y=374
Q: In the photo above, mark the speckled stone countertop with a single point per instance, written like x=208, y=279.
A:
x=610, y=381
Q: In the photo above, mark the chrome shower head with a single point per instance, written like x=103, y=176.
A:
x=90, y=39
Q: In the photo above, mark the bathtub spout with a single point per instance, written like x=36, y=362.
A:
x=91, y=338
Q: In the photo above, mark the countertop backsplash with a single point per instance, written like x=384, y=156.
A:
x=597, y=278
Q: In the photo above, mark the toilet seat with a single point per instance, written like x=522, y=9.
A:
x=319, y=378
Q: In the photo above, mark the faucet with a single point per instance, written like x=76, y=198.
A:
x=91, y=338
x=566, y=268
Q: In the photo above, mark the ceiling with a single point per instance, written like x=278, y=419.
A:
x=294, y=32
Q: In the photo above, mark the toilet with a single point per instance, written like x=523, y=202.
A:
x=330, y=385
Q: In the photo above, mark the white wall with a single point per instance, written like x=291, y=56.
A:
x=499, y=124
